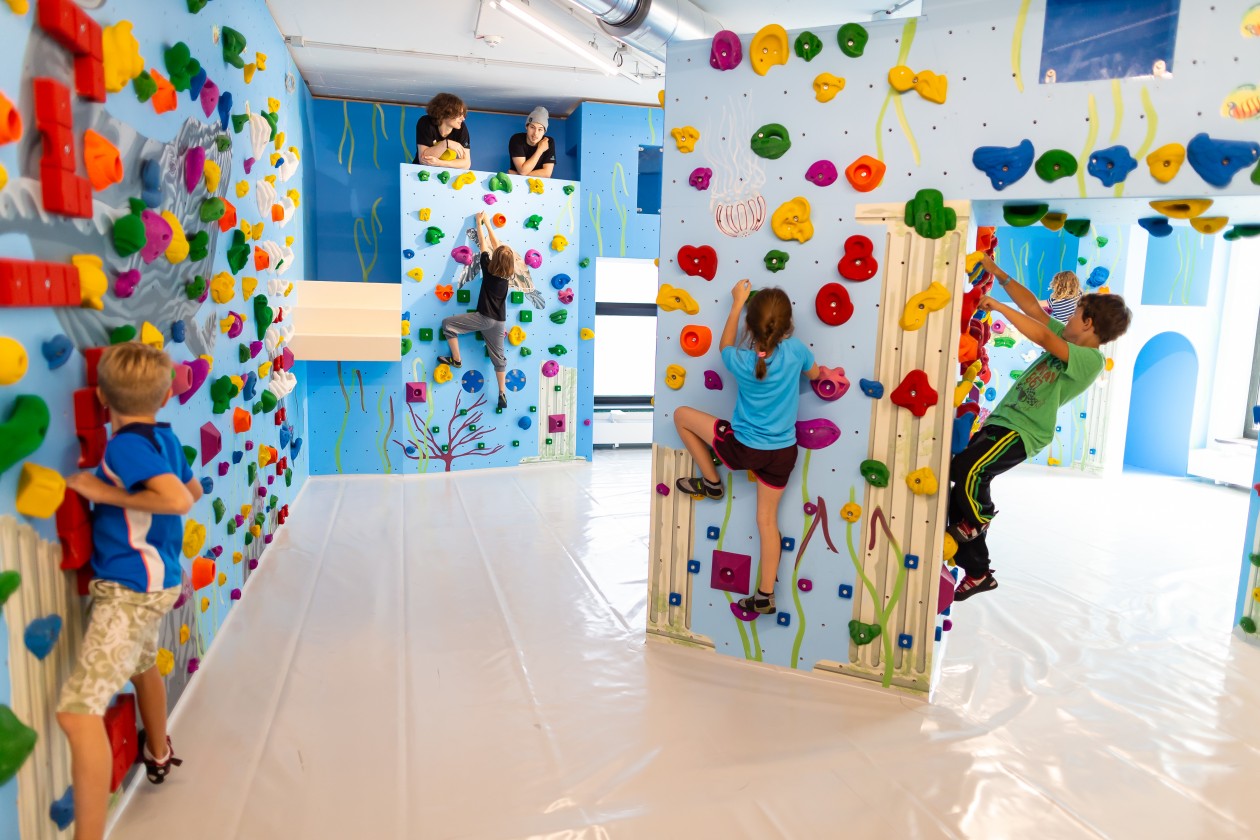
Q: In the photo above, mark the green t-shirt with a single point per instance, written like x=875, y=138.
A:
x=1031, y=406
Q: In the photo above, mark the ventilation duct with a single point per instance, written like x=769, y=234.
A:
x=651, y=25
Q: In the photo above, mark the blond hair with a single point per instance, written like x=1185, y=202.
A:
x=1065, y=285
x=503, y=262
x=134, y=378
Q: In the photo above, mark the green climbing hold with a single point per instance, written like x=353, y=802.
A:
x=863, y=634
x=776, y=261
x=1255, y=175
x=1003, y=341
x=568, y=189
x=212, y=209
x=24, y=431
x=533, y=222
x=129, y=233
x=190, y=455
x=220, y=509
x=1247, y=623
x=264, y=315
x=1023, y=215
x=273, y=120
x=221, y=392
x=1254, y=558
x=288, y=478
x=1081, y=261
x=272, y=501
x=584, y=262
x=231, y=527
x=852, y=38
x=123, y=334
x=560, y=317
x=929, y=216
x=807, y=45
x=252, y=473
x=144, y=86
x=199, y=246
x=433, y=235
x=17, y=742
x=1102, y=241
x=1077, y=227
x=195, y=6
x=875, y=472
x=242, y=353
x=269, y=401
x=233, y=45
x=238, y=251
x=525, y=351
x=500, y=182
x=180, y=65
x=424, y=175
x=239, y=121
x=1055, y=164
x=222, y=142
x=249, y=538
x=9, y=583
x=1242, y=231
x=406, y=346
x=196, y=288
x=518, y=297
x=557, y=350
x=771, y=141
x=444, y=176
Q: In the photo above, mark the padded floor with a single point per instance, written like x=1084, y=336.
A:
x=463, y=656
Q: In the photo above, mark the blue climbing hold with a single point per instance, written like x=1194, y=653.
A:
x=409, y=254
x=871, y=388
x=1098, y=277
x=251, y=383
x=990, y=394
x=207, y=484
x=57, y=351
x=525, y=422
x=961, y=433
x=295, y=447
x=61, y=812
x=237, y=456
x=1217, y=161
x=560, y=281
x=409, y=449
x=42, y=634
x=179, y=331
x=473, y=381
x=286, y=435
x=1111, y=165
x=1003, y=165
x=225, y=109
x=195, y=84
x=1156, y=226
x=151, y=182
x=515, y=380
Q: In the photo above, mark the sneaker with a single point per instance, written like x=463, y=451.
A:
x=699, y=487
x=758, y=603
x=964, y=531
x=156, y=771
x=447, y=360
x=502, y=401
x=970, y=586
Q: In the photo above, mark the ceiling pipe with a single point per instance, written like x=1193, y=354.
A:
x=649, y=26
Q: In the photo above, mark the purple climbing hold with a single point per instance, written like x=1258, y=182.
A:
x=249, y=165
x=700, y=177
x=712, y=380
x=158, y=232
x=823, y=173
x=236, y=593
x=550, y=368
x=727, y=51
x=662, y=489
x=126, y=282
x=224, y=466
x=194, y=167
x=489, y=198
x=193, y=665
x=805, y=584
x=741, y=614
x=816, y=434
x=209, y=97
x=533, y=259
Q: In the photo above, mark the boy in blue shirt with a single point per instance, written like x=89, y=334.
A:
x=140, y=490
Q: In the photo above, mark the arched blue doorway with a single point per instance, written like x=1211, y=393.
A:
x=1161, y=407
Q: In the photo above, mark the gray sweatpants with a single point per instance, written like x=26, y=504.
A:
x=490, y=329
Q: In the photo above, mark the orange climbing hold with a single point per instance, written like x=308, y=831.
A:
x=695, y=339
x=866, y=173
x=104, y=164
x=241, y=420
x=10, y=121
x=202, y=573
x=165, y=99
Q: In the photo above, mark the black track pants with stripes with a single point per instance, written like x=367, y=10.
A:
x=992, y=451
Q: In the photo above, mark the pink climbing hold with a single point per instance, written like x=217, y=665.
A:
x=945, y=595
x=253, y=564
x=533, y=259
x=181, y=379
x=700, y=177
x=823, y=173
x=159, y=233
x=810, y=508
x=727, y=52
x=236, y=593
x=831, y=383
x=287, y=355
x=249, y=165
x=805, y=584
x=209, y=97
x=194, y=167
x=217, y=551
x=125, y=284
x=237, y=326
x=566, y=296
x=193, y=665
x=550, y=368
x=200, y=369
x=462, y=255
x=489, y=198
x=239, y=519
x=255, y=347
x=224, y=466
x=211, y=442
x=742, y=615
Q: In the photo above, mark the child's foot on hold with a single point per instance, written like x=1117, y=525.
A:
x=761, y=603
x=449, y=360
x=502, y=401
x=970, y=586
x=963, y=531
x=700, y=487
x=156, y=770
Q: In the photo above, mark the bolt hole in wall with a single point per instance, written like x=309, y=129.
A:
x=625, y=351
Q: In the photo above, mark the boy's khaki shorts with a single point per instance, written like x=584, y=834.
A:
x=121, y=642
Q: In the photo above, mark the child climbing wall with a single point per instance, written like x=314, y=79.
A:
x=422, y=416
x=150, y=190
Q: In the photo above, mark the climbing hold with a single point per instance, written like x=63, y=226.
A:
x=712, y=380
x=1101, y=241
x=776, y=261
x=178, y=249
x=927, y=84
x=129, y=230
x=858, y=262
x=831, y=383
x=771, y=141
x=675, y=376
x=463, y=180
x=1098, y=277
x=533, y=259
x=122, y=334
x=222, y=287
x=865, y=174
x=24, y=430
x=1053, y=221
x=533, y=222
x=1077, y=227
x=823, y=173
x=1111, y=165
x=499, y=182
x=671, y=299
x=826, y=86
x=875, y=472
x=433, y=235
x=695, y=339
x=851, y=512
x=499, y=220
x=685, y=138
x=932, y=299
x=462, y=255
x=791, y=220
x=928, y=215
x=560, y=281
x=1182, y=208
x=202, y=573
x=1165, y=162
x=1055, y=164
x=1242, y=232
x=238, y=251
x=816, y=434
x=56, y=351
x=557, y=350
x=915, y=393
x=872, y=388
x=151, y=335
x=584, y=262
x=861, y=633
x=17, y=742
x=535, y=185
x=102, y=161
x=852, y=38
x=807, y=45
x=726, y=51
x=442, y=374
x=40, y=491
x=1023, y=215
x=1217, y=161
x=233, y=44
x=194, y=168
x=180, y=65
x=698, y=261
x=559, y=243
x=833, y=304
x=1003, y=165
x=516, y=336
x=586, y=333
x=700, y=177
x=444, y=293
x=560, y=317
x=768, y=48
x=158, y=235
x=922, y=482
x=13, y=360
x=1209, y=224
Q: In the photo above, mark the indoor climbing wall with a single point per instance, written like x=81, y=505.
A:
x=753, y=188
x=419, y=416
x=151, y=189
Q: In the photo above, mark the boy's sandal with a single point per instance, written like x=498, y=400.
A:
x=156, y=771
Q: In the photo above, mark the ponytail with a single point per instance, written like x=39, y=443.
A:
x=768, y=322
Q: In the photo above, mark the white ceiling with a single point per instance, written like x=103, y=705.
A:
x=408, y=50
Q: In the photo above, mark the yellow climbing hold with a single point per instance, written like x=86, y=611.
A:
x=931, y=299
x=416, y=274
x=151, y=336
x=13, y=360
x=660, y=97
x=40, y=491
x=922, y=482
x=973, y=260
x=92, y=280
x=4, y=177
x=963, y=388
x=261, y=60
x=516, y=336
x=463, y=180
x=826, y=86
x=424, y=214
x=222, y=287
x=586, y=333
x=205, y=604
x=685, y=138
x=927, y=84
x=264, y=370
x=950, y=549
x=165, y=661
x=406, y=327
x=237, y=557
x=1054, y=221
x=1165, y=162
x=212, y=173
x=178, y=250
x=123, y=61
x=535, y=185
x=1182, y=208
x=1109, y=363
x=791, y=220
x=250, y=69
x=19, y=7
x=248, y=284
x=559, y=243
x=222, y=578
x=851, y=512
x=242, y=189
x=1209, y=224
x=273, y=105
x=675, y=376
x=769, y=47
x=194, y=538
x=442, y=373
x=672, y=299
x=184, y=634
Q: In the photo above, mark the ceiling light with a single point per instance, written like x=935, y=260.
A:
x=527, y=17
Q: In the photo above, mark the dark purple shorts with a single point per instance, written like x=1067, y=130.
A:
x=773, y=467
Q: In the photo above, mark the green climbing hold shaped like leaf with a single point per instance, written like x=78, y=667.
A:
x=500, y=182
x=1102, y=241
x=17, y=742
x=533, y=222
x=190, y=455
x=219, y=510
x=863, y=634
x=875, y=472
x=1077, y=227
x=1055, y=164
x=406, y=346
x=123, y=334
x=9, y=583
x=238, y=251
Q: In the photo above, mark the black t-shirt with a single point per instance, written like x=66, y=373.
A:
x=493, y=292
x=427, y=134
x=519, y=146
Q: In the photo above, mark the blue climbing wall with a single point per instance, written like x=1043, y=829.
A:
x=357, y=148
x=1178, y=269
x=361, y=418
x=141, y=133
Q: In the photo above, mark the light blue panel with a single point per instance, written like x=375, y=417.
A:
x=359, y=412
x=1161, y=406
x=140, y=133
x=1178, y=269
x=1244, y=574
x=358, y=147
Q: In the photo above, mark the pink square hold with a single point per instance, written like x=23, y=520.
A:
x=555, y=423
x=416, y=392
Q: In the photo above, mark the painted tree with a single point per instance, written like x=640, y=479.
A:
x=463, y=432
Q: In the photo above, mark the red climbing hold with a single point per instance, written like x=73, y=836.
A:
x=698, y=261
x=833, y=305
x=915, y=393
x=858, y=262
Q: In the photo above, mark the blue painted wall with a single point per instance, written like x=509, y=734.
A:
x=1161, y=405
x=1178, y=269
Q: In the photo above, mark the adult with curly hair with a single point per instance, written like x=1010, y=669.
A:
x=441, y=136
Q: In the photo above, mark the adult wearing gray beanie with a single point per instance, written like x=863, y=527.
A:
x=532, y=152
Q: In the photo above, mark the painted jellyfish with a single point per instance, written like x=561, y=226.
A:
x=738, y=174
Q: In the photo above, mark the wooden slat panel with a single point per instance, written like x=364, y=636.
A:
x=670, y=548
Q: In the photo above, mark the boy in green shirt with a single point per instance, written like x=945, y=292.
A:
x=1023, y=422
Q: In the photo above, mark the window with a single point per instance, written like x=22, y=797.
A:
x=625, y=351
